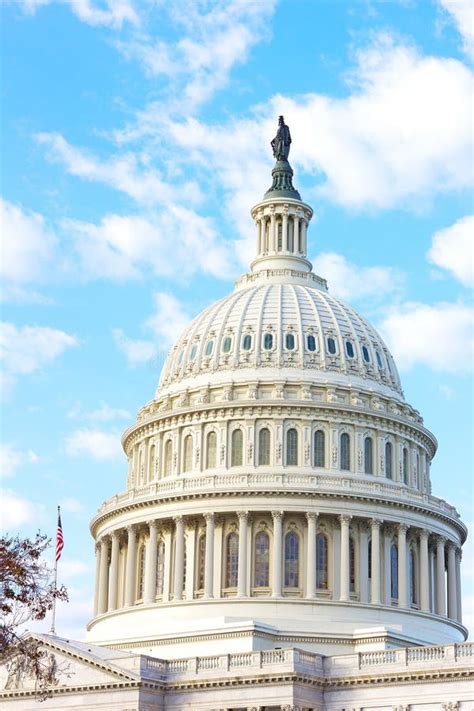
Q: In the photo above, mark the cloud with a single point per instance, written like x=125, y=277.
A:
x=12, y=458
x=28, y=349
x=439, y=336
x=453, y=249
x=72, y=568
x=71, y=505
x=103, y=413
x=135, y=350
x=16, y=511
x=93, y=443
x=461, y=14
x=114, y=15
x=350, y=281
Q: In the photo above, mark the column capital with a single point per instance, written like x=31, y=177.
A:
x=459, y=553
x=131, y=528
x=242, y=515
x=311, y=516
x=153, y=523
x=440, y=540
x=451, y=545
x=277, y=515
x=375, y=523
x=423, y=534
x=209, y=517
x=403, y=528
x=344, y=519
x=178, y=519
x=104, y=540
x=115, y=535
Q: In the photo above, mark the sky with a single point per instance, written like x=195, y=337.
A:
x=135, y=140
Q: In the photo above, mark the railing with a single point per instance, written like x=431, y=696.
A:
x=386, y=656
x=423, y=654
x=465, y=650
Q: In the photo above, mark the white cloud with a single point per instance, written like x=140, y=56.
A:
x=113, y=15
x=12, y=458
x=105, y=413
x=135, y=350
x=453, y=249
x=16, y=511
x=439, y=336
x=95, y=444
x=27, y=349
x=462, y=14
x=350, y=281
x=71, y=505
x=72, y=568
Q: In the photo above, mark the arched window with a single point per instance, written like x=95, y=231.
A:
x=141, y=572
x=211, y=450
x=268, y=341
x=201, y=561
x=236, y=458
x=232, y=560
x=366, y=354
x=331, y=346
x=394, y=572
x=264, y=446
x=412, y=577
x=292, y=447
x=247, y=342
x=151, y=463
x=168, y=457
x=350, y=349
x=160, y=568
x=209, y=348
x=345, y=451
x=405, y=465
x=352, y=567
x=379, y=360
x=192, y=354
x=227, y=344
x=388, y=460
x=311, y=343
x=368, y=455
x=321, y=562
x=292, y=577
x=318, y=448
x=188, y=454
x=262, y=560
x=289, y=342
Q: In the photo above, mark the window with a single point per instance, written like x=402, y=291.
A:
x=321, y=562
x=331, y=343
x=291, y=231
x=192, y=355
x=388, y=460
x=366, y=354
x=394, y=572
x=412, y=577
x=368, y=455
x=141, y=572
x=237, y=449
x=168, y=457
x=345, y=452
x=247, y=342
x=151, y=463
x=201, y=561
x=379, y=359
x=232, y=560
x=311, y=343
x=226, y=344
x=291, y=560
x=279, y=237
x=352, y=582
x=264, y=446
x=349, y=349
x=292, y=447
x=188, y=454
x=268, y=341
x=185, y=565
x=180, y=358
x=318, y=448
x=209, y=348
x=160, y=568
x=369, y=561
x=211, y=450
x=290, y=342
x=405, y=465
x=417, y=471
x=262, y=560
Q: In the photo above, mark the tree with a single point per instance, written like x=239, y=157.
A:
x=26, y=593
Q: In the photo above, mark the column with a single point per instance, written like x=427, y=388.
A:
x=452, y=594
x=296, y=232
x=284, y=231
x=242, y=573
x=387, y=573
x=440, y=577
x=272, y=233
x=424, y=572
x=312, y=519
x=402, y=566
x=344, y=585
x=178, y=558
x=97, y=579
x=150, y=563
x=277, y=552
x=131, y=566
x=303, y=227
x=104, y=575
x=259, y=235
x=113, y=573
x=458, y=584
x=209, y=564
x=166, y=532
x=363, y=562
x=375, y=561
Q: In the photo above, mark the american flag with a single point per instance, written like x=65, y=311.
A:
x=59, y=538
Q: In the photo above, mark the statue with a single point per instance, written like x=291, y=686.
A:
x=282, y=140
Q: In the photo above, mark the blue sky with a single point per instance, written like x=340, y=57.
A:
x=135, y=141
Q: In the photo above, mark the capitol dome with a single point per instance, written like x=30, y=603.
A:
x=278, y=490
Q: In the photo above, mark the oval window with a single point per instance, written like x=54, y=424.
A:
x=180, y=358
x=379, y=359
x=226, y=345
x=311, y=343
x=209, y=347
x=192, y=355
x=331, y=346
x=290, y=342
x=247, y=343
x=268, y=341
x=365, y=353
x=349, y=349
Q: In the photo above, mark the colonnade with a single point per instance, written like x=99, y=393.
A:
x=282, y=231
x=360, y=566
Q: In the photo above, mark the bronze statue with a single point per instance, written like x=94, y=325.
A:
x=282, y=140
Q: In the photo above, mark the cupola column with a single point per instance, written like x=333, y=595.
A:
x=131, y=566
x=284, y=235
x=312, y=519
x=277, y=552
x=97, y=579
x=424, y=572
x=150, y=563
x=113, y=574
x=440, y=577
x=242, y=571
x=209, y=560
x=458, y=584
x=402, y=565
x=452, y=595
x=344, y=591
x=375, y=561
x=179, y=558
x=363, y=562
x=104, y=575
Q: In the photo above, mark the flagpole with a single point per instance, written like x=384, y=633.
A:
x=55, y=587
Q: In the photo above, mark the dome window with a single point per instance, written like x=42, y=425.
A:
x=268, y=341
x=331, y=344
x=349, y=349
x=290, y=342
x=209, y=348
x=180, y=358
x=227, y=344
x=192, y=355
x=311, y=343
x=366, y=354
x=379, y=360
x=247, y=342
